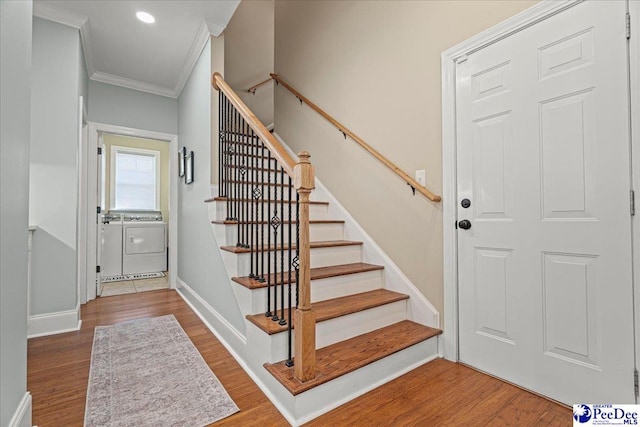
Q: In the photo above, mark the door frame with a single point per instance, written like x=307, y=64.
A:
x=449, y=344
x=95, y=132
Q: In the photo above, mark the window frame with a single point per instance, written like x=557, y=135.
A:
x=112, y=175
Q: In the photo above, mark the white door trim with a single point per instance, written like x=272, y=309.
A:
x=81, y=221
x=449, y=342
x=95, y=130
x=634, y=87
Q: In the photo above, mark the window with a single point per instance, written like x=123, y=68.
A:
x=135, y=179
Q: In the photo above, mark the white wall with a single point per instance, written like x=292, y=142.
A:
x=55, y=89
x=200, y=264
x=115, y=105
x=15, y=87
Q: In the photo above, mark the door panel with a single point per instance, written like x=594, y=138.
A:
x=545, y=290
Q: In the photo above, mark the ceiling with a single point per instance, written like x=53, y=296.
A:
x=121, y=50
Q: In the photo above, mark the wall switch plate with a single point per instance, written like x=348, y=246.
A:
x=421, y=177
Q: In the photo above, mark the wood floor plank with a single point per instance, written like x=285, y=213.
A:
x=430, y=395
x=58, y=383
x=332, y=308
x=433, y=394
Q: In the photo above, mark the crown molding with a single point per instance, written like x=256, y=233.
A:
x=41, y=10
x=133, y=84
x=216, y=29
x=200, y=41
x=206, y=30
x=80, y=22
x=87, y=48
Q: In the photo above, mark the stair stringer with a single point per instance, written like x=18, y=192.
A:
x=419, y=308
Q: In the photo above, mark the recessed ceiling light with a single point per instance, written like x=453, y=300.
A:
x=145, y=17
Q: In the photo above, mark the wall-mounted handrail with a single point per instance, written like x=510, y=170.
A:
x=267, y=138
x=252, y=89
x=346, y=132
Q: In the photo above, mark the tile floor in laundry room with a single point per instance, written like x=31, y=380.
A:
x=133, y=286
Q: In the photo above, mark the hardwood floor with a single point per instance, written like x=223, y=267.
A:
x=439, y=393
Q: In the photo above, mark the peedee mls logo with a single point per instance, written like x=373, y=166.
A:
x=605, y=415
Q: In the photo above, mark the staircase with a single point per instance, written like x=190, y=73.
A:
x=365, y=333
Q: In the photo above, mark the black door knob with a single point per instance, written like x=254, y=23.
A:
x=465, y=203
x=465, y=224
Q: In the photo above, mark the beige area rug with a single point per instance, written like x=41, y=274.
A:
x=148, y=373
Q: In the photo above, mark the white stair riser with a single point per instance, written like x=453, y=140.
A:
x=345, y=327
x=322, y=289
x=334, y=330
x=316, y=211
x=318, y=232
x=239, y=265
x=349, y=386
x=269, y=348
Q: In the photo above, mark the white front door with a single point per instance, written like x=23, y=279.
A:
x=545, y=270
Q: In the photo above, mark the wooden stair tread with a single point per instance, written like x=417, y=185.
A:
x=224, y=199
x=272, y=184
x=311, y=221
x=316, y=274
x=258, y=168
x=346, y=356
x=332, y=308
x=313, y=245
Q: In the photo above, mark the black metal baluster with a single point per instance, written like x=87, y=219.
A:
x=220, y=144
x=238, y=180
x=282, y=319
x=242, y=180
x=275, y=222
x=263, y=206
x=268, y=313
x=247, y=184
x=253, y=199
x=228, y=154
x=297, y=258
x=289, y=361
x=256, y=200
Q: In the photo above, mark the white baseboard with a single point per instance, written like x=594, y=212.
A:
x=221, y=322
x=184, y=288
x=22, y=416
x=54, y=323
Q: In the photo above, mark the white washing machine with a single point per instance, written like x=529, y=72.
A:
x=144, y=244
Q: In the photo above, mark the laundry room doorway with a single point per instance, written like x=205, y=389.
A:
x=133, y=198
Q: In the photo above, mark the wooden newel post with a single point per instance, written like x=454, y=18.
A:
x=304, y=319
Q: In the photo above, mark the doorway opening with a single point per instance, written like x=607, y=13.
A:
x=131, y=211
x=134, y=204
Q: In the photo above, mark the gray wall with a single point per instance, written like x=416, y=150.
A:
x=200, y=264
x=53, y=188
x=15, y=86
x=115, y=105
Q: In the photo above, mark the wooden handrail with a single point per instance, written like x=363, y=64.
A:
x=303, y=176
x=346, y=132
x=252, y=89
x=278, y=151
